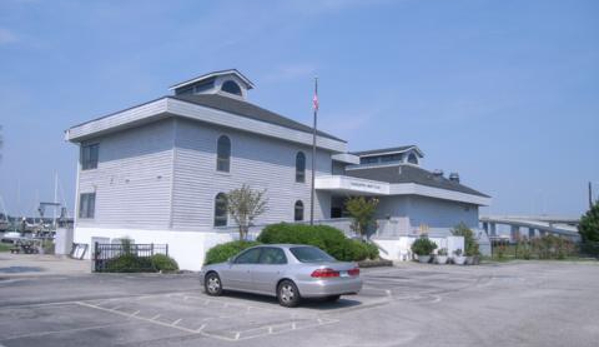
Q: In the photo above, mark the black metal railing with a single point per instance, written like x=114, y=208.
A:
x=128, y=257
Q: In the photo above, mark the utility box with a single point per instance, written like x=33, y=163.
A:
x=63, y=242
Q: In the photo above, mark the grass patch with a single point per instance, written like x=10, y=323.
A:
x=5, y=247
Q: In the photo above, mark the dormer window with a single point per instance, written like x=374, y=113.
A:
x=231, y=87
x=412, y=159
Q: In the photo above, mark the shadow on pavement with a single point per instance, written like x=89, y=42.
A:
x=20, y=269
x=317, y=304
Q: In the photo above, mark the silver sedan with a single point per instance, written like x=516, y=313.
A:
x=289, y=272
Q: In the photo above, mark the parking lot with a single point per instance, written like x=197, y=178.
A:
x=539, y=304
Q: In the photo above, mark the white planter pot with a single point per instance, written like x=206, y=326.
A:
x=441, y=259
x=424, y=259
x=459, y=260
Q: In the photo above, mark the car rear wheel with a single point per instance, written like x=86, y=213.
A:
x=213, y=284
x=288, y=294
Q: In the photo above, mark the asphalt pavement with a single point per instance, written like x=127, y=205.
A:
x=512, y=304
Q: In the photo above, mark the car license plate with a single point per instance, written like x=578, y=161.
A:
x=343, y=274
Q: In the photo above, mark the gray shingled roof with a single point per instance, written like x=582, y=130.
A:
x=245, y=109
x=410, y=174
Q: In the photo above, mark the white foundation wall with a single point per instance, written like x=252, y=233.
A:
x=399, y=249
x=187, y=248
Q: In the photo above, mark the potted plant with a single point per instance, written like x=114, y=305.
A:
x=458, y=258
x=423, y=247
x=441, y=257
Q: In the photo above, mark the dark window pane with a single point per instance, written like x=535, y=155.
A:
x=299, y=211
x=89, y=156
x=272, y=255
x=91, y=206
x=220, y=210
x=231, y=87
x=310, y=255
x=248, y=257
x=201, y=87
x=223, y=154
x=412, y=158
x=300, y=167
x=390, y=157
x=184, y=91
x=87, y=205
x=369, y=160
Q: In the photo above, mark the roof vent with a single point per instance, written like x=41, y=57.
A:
x=454, y=177
x=438, y=173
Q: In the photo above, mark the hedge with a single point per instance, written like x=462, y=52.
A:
x=129, y=263
x=221, y=253
x=327, y=238
x=132, y=263
x=164, y=263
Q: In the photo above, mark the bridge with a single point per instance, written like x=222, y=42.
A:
x=534, y=225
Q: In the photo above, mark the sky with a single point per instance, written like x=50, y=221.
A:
x=504, y=92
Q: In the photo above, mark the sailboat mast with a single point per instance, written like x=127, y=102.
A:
x=55, y=198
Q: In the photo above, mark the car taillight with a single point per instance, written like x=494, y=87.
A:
x=354, y=272
x=325, y=273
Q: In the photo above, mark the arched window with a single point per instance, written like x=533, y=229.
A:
x=300, y=167
x=412, y=159
x=299, y=211
x=223, y=154
x=231, y=87
x=220, y=210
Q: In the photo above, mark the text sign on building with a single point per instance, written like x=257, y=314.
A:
x=365, y=186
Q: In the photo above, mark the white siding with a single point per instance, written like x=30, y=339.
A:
x=259, y=161
x=435, y=213
x=133, y=179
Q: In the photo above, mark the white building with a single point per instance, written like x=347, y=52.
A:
x=157, y=172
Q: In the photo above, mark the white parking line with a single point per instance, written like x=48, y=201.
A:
x=137, y=317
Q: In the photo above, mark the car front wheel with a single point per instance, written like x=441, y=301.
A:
x=288, y=294
x=213, y=284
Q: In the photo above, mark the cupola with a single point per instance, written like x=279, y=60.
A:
x=231, y=83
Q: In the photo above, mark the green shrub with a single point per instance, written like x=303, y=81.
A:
x=164, y=263
x=129, y=263
x=221, y=253
x=373, y=251
x=327, y=238
x=553, y=247
x=423, y=246
x=523, y=249
x=470, y=243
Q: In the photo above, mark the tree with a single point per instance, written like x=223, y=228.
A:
x=244, y=205
x=362, y=211
x=589, y=225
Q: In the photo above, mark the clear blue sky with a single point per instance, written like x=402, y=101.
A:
x=504, y=92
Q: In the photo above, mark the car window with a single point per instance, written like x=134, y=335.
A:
x=248, y=257
x=310, y=255
x=272, y=255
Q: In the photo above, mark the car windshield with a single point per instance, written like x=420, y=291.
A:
x=310, y=255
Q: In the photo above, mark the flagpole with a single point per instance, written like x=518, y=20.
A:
x=315, y=106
